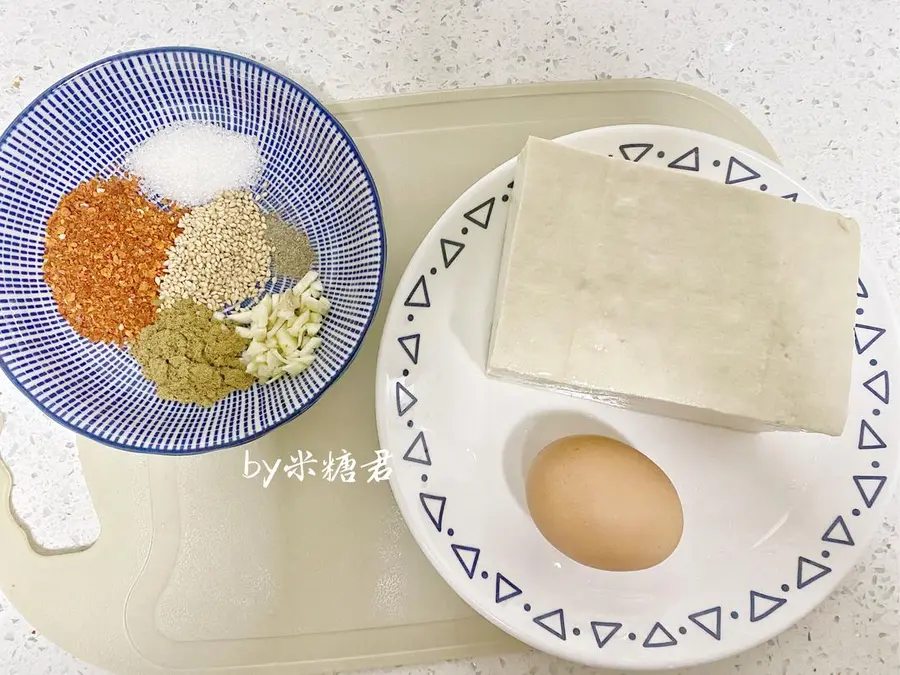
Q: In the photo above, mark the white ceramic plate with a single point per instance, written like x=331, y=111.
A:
x=772, y=521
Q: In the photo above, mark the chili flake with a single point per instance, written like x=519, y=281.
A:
x=104, y=248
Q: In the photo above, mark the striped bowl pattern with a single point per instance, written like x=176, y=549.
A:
x=83, y=126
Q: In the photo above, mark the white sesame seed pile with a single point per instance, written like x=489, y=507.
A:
x=221, y=255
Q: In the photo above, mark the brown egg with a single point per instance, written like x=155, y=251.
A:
x=604, y=504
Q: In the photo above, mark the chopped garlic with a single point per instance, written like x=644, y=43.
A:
x=240, y=317
x=254, y=349
x=311, y=346
x=306, y=282
x=283, y=329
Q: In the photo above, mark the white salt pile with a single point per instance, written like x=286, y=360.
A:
x=191, y=163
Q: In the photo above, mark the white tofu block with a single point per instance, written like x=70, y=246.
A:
x=671, y=294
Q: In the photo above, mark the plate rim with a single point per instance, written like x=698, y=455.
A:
x=379, y=214
x=381, y=417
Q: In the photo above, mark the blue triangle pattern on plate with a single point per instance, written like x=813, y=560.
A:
x=418, y=451
x=880, y=385
x=869, y=438
x=418, y=296
x=869, y=487
x=838, y=526
x=692, y=155
x=793, y=196
x=468, y=558
x=450, y=250
x=431, y=503
x=804, y=565
x=481, y=214
x=604, y=631
x=644, y=148
x=710, y=620
x=866, y=336
x=405, y=400
x=659, y=637
x=861, y=292
x=738, y=172
x=553, y=622
x=762, y=605
x=504, y=589
x=411, y=349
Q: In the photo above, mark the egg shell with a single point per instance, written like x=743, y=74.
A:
x=604, y=504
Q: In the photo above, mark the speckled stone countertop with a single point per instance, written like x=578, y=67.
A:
x=821, y=78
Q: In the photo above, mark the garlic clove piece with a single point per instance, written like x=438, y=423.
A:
x=305, y=282
x=311, y=346
x=255, y=348
x=295, y=367
x=244, y=317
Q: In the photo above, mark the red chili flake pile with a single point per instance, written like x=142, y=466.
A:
x=105, y=246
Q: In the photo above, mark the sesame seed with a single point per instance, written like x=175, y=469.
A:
x=221, y=253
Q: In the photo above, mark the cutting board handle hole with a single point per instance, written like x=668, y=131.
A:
x=48, y=500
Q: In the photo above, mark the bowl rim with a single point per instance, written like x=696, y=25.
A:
x=122, y=56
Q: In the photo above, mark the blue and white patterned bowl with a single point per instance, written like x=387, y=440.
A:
x=85, y=125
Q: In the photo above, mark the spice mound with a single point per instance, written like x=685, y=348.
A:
x=157, y=278
x=104, y=247
x=192, y=162
x=292, y=255
x=221, y=255
x=191, y=356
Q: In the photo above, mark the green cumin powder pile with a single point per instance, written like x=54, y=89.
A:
x=192, y=357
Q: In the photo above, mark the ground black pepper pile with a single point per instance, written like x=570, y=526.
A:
x=292, y=256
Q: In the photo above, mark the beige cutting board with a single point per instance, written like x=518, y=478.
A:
x=198, y=569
